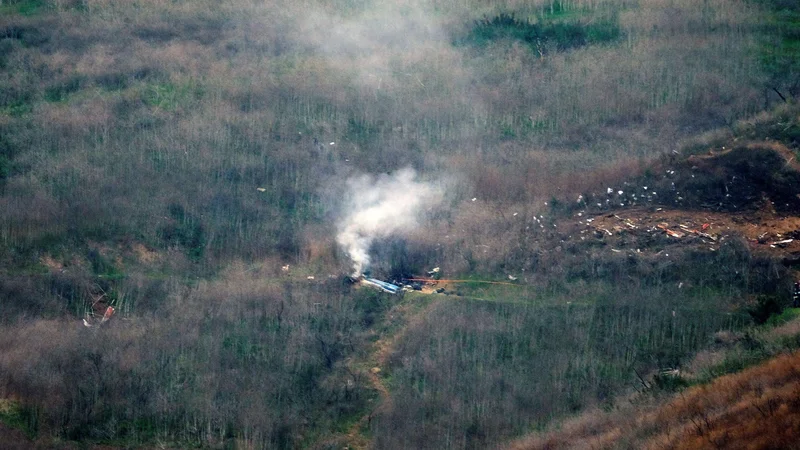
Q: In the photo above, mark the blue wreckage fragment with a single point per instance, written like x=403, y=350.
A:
x=382, y=285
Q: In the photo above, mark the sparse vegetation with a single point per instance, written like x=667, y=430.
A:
x=716, y=407
x=183, y=163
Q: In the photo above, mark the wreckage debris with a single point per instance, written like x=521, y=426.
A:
x=90, y=320
x=781, y=244
x=382, y=285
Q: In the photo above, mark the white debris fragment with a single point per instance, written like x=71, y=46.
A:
x=261, y=189
x=619, y=192
x=610, y=191
x=333, y=143
x=474, y=198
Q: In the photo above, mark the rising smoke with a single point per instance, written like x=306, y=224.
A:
x=379, y=207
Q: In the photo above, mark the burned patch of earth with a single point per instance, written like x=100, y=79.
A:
x=653, y=229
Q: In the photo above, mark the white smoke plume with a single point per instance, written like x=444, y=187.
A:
x=379, y=207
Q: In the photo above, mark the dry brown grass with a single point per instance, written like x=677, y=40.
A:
x=758, y=408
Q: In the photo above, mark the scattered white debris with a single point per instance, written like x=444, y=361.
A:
x=619, y=192
x=610, y=191
x=782, y=243
x=310, y=277
x=261, y=189
x=333, y=143
x=474, y=198
x=512, y=278
x=285, y=268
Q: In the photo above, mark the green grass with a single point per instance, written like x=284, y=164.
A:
x=60, y=92
x=787, y=315
x=780, y=54
x=23, y=7
x=16, y=416
x=541, y=36
x=172, y=96
x=17, y=109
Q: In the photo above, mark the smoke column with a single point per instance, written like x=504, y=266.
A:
x=379, y=207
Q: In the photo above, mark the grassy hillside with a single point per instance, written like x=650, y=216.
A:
x=754, y=408
x=185, y=162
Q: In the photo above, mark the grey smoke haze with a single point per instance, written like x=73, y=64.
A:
x=386, y=44
x=380, y=207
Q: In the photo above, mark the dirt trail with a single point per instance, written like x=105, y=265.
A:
x=404, y=316
x=410, y=316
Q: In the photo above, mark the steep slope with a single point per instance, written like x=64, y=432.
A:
x=757, y=408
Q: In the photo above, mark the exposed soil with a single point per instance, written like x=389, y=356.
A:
x=765, y=231
x=750, y=192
